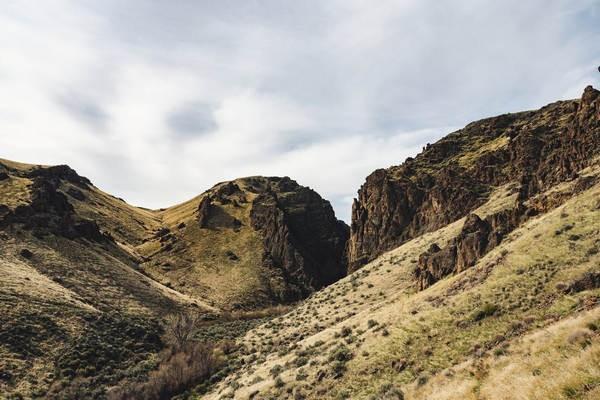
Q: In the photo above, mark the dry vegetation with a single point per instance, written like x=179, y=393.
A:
x=79, y=318
x=372, y=335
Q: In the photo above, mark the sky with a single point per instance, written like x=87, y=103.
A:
x=156, y=101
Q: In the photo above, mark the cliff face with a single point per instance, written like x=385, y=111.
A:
x=449, y=179
x=301, y=235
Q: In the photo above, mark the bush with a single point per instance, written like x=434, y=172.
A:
x=180, y=328
x=301, y=375
x=485, y=311
x=388, y=391
x=300, y=361
x=276, y=370
x=581, y=337
x=340, y=356
x=279, y=383
x=340, y=353
x=179, y=370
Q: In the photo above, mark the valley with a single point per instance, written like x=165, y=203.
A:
x=471, y=271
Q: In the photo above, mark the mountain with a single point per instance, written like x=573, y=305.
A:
x=471, y=271
x=533, y=150
x=476, y=276
x=86, y=279
x=247, y=243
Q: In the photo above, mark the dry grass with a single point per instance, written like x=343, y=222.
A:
x=200, y=262
x=539, y=365
x=411, y=339
x=15, y=192
x=468, y=158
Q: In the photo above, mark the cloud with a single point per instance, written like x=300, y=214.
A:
x=192, y=119
x=157, y=101
x=82, y=108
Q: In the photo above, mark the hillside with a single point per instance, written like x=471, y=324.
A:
x=471, y=271
x=248, y=243
x=483, y=282
x=71, y=295
x=86, y=279
x=534, y=150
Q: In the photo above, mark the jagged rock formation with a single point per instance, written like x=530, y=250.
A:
x=49, y=210
x=450, y=178
x=301, y=235
x=477, y=237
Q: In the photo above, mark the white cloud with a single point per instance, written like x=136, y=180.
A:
x=324, y=92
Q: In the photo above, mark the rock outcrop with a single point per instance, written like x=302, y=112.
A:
x=452, y=177
x=477, y=237
x=301, y=236
x=49, y=210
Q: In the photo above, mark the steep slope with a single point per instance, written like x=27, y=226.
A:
x=74, y=311
x=500, y=301
x=79, y=310
x=249, y=242
x=533, y=149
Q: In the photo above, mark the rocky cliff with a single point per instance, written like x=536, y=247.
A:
x=301, y=235
x=449, y=179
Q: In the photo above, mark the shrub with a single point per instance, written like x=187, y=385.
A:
x=388, y=391
x=340, y=356
x=300, y=361
x=279, y=383
x=276, y=370
x=593, y=326
x=180, y=328
x=500, y=351
x=581, y=337
x=178, y=371
x=301, y=375
x=485, y=311
x=340, y=353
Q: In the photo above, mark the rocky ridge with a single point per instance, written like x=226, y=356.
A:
x=449, y=179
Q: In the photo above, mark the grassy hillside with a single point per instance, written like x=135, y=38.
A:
x=77, y=315
x=249, y=243
x=221, y=263
x=522, y=323
x=88, y=282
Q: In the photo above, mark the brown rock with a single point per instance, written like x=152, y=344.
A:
x=204, y=211
x=452, y=177
x=301, y=236
x=26, y=253
x=49, y=210
x=476, y=238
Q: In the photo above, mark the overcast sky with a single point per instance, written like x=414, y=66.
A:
x=156, y=101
